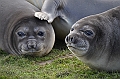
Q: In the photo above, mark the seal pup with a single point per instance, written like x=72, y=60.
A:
x=64, y=13
x=20, y=32
x=95, y=40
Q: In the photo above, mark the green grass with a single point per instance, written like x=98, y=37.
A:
x=59, y=64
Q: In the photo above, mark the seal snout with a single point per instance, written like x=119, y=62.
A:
x=70, y=39
x=32, y=44
x=76, y=44
x=77, y=41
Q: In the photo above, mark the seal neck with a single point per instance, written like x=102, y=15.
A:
x=9, y=38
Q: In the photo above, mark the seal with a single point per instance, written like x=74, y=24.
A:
x=64, y=13
x=20, y=32
x=95, y=40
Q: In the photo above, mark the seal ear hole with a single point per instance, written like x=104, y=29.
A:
x=21, y=34
x=71, y=29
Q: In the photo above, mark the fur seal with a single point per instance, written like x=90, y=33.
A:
x=67, y=12
x=20, y=32
x=95, y=40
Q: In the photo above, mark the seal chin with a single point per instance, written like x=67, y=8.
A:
x=78, y=50
x=31, y=52
x=81, y=48
x=39, y=50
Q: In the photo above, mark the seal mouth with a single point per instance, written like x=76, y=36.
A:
x=31, y=51
x=81, y=48
x=79, y=51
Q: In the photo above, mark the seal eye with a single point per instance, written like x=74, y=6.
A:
x=40, y=33
x=72, y=29
x=88, y=32
x=21, y=34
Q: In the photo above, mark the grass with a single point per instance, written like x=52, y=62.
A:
x=59, y=64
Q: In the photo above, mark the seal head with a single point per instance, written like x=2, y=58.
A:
x=20, y=32
x=95, y=40
x=79, y=39
x=31, y=36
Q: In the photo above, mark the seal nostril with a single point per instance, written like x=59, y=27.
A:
x=66, y=39
x=72, y=39
x=31, y=44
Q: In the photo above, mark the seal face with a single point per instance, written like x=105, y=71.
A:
x=95, y=40
x=77, y=40
x=30, y=37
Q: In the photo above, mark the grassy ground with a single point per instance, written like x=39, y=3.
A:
x=59, y=64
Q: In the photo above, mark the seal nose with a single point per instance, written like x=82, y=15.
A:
x=70, y=39
x=31, y=44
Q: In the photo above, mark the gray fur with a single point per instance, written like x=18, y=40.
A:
x=102, y=50
x=64, y=13
x=17, y=15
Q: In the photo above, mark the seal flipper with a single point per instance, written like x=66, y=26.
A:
x=49, y=10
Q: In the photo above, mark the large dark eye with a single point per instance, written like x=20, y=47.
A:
x=72, y=29
x=21, y=34
x=40, y=33
x=88, y=32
